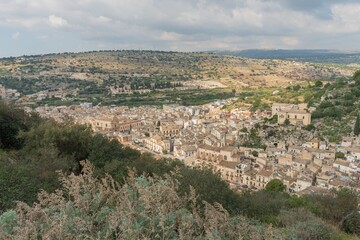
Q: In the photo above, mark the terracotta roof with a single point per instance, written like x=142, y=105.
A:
x=207, y=147
x=228, y=164
x=265, y=173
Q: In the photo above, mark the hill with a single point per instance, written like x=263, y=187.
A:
x=113, y=77
x=304, y=55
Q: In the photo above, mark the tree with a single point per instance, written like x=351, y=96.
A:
x=287, y=122
x=339, y=155
x=310, y=127
x=233, y=92
x=357, y=126
x=356, y=75
x=12, y=121
x=318, y=83
x=302, y=224
x=296, y=87
x=275, y=185
x=351, y=224
x=244, y=130
x=255, y=153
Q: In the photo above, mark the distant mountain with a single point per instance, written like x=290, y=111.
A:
x=314, y=55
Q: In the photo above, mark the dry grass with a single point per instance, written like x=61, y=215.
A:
x=143, y=208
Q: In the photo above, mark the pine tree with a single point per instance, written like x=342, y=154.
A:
x=357, y=126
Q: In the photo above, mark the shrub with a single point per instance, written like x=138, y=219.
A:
x=275, y=185
x=142, y=208
x=302, y=224
x=351, y=224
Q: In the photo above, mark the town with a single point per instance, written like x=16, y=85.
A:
x=211, y=136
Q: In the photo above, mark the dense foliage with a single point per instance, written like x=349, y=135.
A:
x=141, y=208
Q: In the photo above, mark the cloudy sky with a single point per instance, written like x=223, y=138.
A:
x=43, y=26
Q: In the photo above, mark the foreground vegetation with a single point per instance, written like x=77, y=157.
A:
x=32, y=149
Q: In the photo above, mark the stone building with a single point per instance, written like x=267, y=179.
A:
x=296, y=114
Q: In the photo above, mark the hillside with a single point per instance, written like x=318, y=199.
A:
x=304, y=55
x=109, y=75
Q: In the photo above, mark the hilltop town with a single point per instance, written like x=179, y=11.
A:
x=238, y=143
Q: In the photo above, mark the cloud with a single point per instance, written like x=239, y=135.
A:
x=291, y=41
x=16, y=36
x=170, y=36
x=42, y=37
x=57, y=22
x=187, y=24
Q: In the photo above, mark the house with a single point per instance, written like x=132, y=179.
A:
x=302, y=183
x=105, y=124
x=324, y=179
x=296, y=114
x=170, y=129
x=295, y=149
x=285, y=159
x=342, y=166
x=300, y=163
x=263, y=177
x=228, y=171
x=337, y=183
x=228, y=153
x=156, y=144
x=187, y=151
x=249, y=178
x=209, y=153
x=352, y=154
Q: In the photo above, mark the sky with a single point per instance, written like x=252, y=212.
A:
x=51, y=26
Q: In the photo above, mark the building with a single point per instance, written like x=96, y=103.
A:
x=296, y=114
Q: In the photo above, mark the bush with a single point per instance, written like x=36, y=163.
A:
x=302, y=224
x=339, y=155
x=275, y=185
x=7, y=222
x=143, y=208
x=310, y=127
x=351, y=224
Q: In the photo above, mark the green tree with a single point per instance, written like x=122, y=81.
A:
x=287, y=122
x=255, y=153
x=275, y=185
x=351, y=223
x=318, y=83
x=17, y=183
x=12, y=121
x=297, y=87
x=244, y=130
x=334, y=206
x=356, y=75
x=309, y=127
x=339, y=155
x=302, y=224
